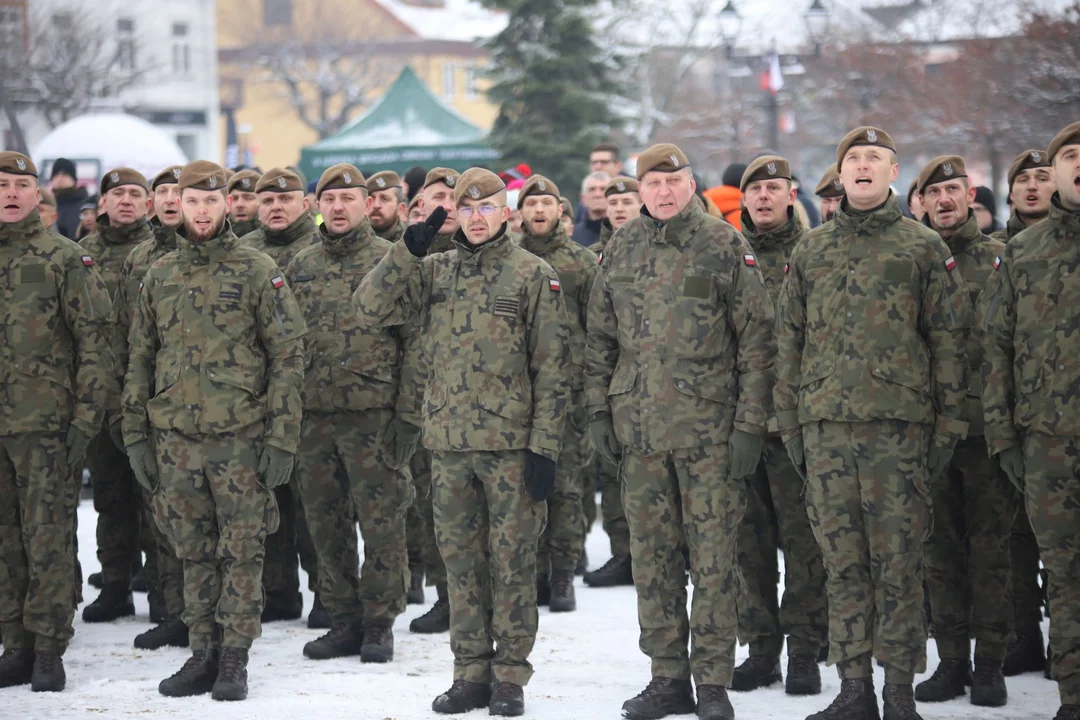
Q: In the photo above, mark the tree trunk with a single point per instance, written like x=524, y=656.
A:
x=993, y=155
x=13, y=121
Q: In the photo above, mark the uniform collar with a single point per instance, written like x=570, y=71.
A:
x=222, y=243
x=494, y=248
x=783, y=236
x=29, y=225
x=300, y=228
x=965, y=235
x=121, y=234
x=676, y=230
x=877, y=219
x=543, y=244
x=1064, y=220
x=339, y=245
x=393, y=232
x=243, y=227
x=164, y=237
x=1018, y=222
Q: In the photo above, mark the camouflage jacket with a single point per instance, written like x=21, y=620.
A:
x=110, y=245
x=393, y=233
x=496, y=338
x=216, y=345
x=55, y=361
x=242, y=228
x=1015, y=225
x=772, y=248
x=680, y=346
x=350, y=367
x=871, y=325
x=606, y=231
x=974, y=254
x=282, y=246
x=1032, y=334
x=576, y=267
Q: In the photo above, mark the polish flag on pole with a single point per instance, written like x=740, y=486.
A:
x=776, y=78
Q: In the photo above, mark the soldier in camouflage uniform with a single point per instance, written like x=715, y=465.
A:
x=359, y=430
x=286, y=226
x=678, y=375
x=1031, y=185
x=562, y=542
x=122, y=227
x=424, y=556
x=56, y=374
x=775, y=504
x=387, y=205
x=967, y=554
x=830, y=192
x=211, y=408
x=243, y=202
x=1032, y=408
x=871, y=376
x=170, y=572
x=497, y=340
x=624, y=204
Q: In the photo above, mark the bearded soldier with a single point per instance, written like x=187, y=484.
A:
x=244, y=203
x=830, y=192
x=387, y=214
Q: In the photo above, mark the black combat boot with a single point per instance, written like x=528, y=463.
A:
x=279, y=608
x=416, y=585
x=757, y=671
x=231, y=683
x=462, y=697
x=341, y=641
x=158, y=611
x=582, y=566
x=823, y=653
x=171, y=633
x=1068, y=712
x=1026, y=655
x=378, y=644
x=856, y=701
x=196, y=677
x=615, y=571
x=899, y=703
x=988, y=684
x=660, y=698
x=803, y=675
x=95, y=580
x=318, y=618
x=114, y=602
x=950, y=680
x=507, y=700
x=543, y=589
x=713, y=703
x=16, y=667
x=435, y=620
x=562, y=591
x=138, y=581
x=49, y=673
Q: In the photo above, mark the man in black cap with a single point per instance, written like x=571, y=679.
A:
x=985, y=208
x=69, y=197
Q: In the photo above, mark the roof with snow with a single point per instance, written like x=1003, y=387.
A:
x=464, y=20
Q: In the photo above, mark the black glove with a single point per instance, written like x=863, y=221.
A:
x=797, y=453
x=418, y=237
x=539, y=475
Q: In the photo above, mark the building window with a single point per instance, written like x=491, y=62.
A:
x=277, y=12
x=448, y=81
x=189, y=144
x=181, y=49
x=471, y=76
x=125, y=43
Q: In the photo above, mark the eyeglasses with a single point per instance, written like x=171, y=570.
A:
x=484, y=210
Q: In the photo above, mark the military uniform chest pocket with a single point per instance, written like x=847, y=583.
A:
x=506, y=305
x=229, y=292
x=898, y=270
x=701, y=290
x=33, y=281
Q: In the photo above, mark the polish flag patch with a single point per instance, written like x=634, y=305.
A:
x=87, y=261
x=750, y=260
x=140, y=287
x=950, y=264
x=785, y=268
x=277, y=282
x=555, y=286
x=997, y=263
x=600, y=258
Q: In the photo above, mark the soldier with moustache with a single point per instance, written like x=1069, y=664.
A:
x=243, y=202
x=830, y=192
x=387, y=205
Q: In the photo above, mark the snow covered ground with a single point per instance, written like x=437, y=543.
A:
x=587, y=663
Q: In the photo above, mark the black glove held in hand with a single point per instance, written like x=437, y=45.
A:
x=418, y=237
x=539, y=476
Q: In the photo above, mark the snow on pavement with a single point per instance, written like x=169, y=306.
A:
x=587, y=663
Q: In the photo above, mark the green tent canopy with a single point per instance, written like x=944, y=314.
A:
x=408, y=126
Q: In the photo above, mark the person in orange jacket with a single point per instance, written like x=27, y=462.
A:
x=727, y=197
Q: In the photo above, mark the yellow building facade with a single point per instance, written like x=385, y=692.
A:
x=280, y=58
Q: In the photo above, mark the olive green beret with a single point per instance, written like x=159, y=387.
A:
x=244, y=181
x=168, y=176
x=537, y=185
x=338, y=177
x=15, y=163
x=280, y=180
x=567, y=206
x=384, y=180
x=766, y=167
x=1027, y=160
x=1068, y=136
x=202, y=175
x=941, y=169
x=445, y=176
x=414, y=202
x=620, y=185
x=477, y=184
x=665, y=158
x=831, y=186
x=47, y=196
x=863, y=136
x=121, y=176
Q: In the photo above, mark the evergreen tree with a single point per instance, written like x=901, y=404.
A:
x=554, y=87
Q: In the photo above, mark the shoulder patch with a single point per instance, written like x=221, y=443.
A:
x=277, y=282
x=950, y=263
x=750, y=260
x=87, y=261
x=785, y=268
x=554, y=285
x=141, y=285
x=997, y=262
x=600, y=258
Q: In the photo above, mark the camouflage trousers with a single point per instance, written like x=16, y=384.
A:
x=116, y=501
x=588, y=501
x=611, y=504
x=420, y=524
x=1026, y=593
x=1052, y=496
x=344, y=480
x=164, y=571
x=216, y=514
x=289, y=549
x=674, y=499
x=776, y=517
x=870, y=510
x=562, y=542
x=487, y=528
x=37, y=567
x=968, y=566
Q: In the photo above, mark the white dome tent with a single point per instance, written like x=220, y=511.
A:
x=107, y=140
